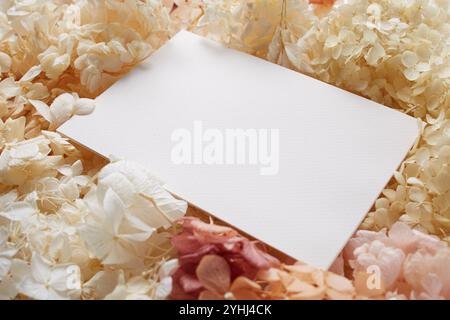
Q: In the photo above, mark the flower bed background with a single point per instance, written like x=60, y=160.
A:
x=65, y=216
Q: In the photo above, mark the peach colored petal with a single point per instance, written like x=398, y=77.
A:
x=286, y=278
x=339, y=283
x=310, y=293
x=214, y=273
x=199, y=226
x=245, y=294
x=300, y=268
x=244, y=283
x=270, y=275
x=256, y=257
x=318, y=277
x=301, y=271
x=275, y=290
x=338, y=295
x=189, y=283
x=298, y=286
x=208, y=295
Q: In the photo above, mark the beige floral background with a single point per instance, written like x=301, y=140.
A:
x=63, y=216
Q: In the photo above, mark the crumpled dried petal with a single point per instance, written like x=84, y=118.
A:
x=214, y=274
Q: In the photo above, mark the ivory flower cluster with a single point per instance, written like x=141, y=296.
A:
x=215, y=262
x=77, y=235
x=68, y=230
x=393, y=52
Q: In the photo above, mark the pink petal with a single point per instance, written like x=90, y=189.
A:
x=214, y=273
x=185, y=243
x=189, y=262
x=190, y=283
x=256, y=257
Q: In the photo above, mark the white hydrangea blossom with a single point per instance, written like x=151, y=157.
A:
x=50, y=193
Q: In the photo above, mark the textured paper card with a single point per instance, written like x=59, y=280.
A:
x=288, y=159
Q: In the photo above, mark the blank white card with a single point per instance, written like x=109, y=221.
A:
x=290, y=160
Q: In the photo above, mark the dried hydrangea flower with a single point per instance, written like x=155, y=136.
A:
x=63, y=108
x=211, y=257
x=135, y=288
x=397, y=256
x=127, y=207
x=358, y=44
x=46, y=282
x=304, y=282
x=243, y=25
x=7, y=253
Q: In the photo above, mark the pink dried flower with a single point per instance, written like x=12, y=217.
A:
x=409, y=260
x=400, y=236
x=428, y=274
x=212, y=257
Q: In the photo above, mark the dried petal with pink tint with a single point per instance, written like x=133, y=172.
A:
x=209, y=295
x=213, y=272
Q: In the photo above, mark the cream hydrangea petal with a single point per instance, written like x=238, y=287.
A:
x=25, y=151
x=62, y=108
x=71, y=170
x=101, y=284
x=70, y=190
x=32, y=73
x=9, y=286
x=58, y=278
x=118, y=254
x=43, y=109
x=164, y=288
x=114, y=210
x=409, y=59
x=375, y=54
x=5, y=200
x=40, y=270
x=9, y=88
x=137, y=236
x=34, y=289
x=120, y=184
x=138, y=176
x=142, y=193
x=411, y=74
x=5, y=265
x=97, y=240
x=168, y=268
x=5, y=62
x=84, y=106
x=14, y=129
x=19, y=211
